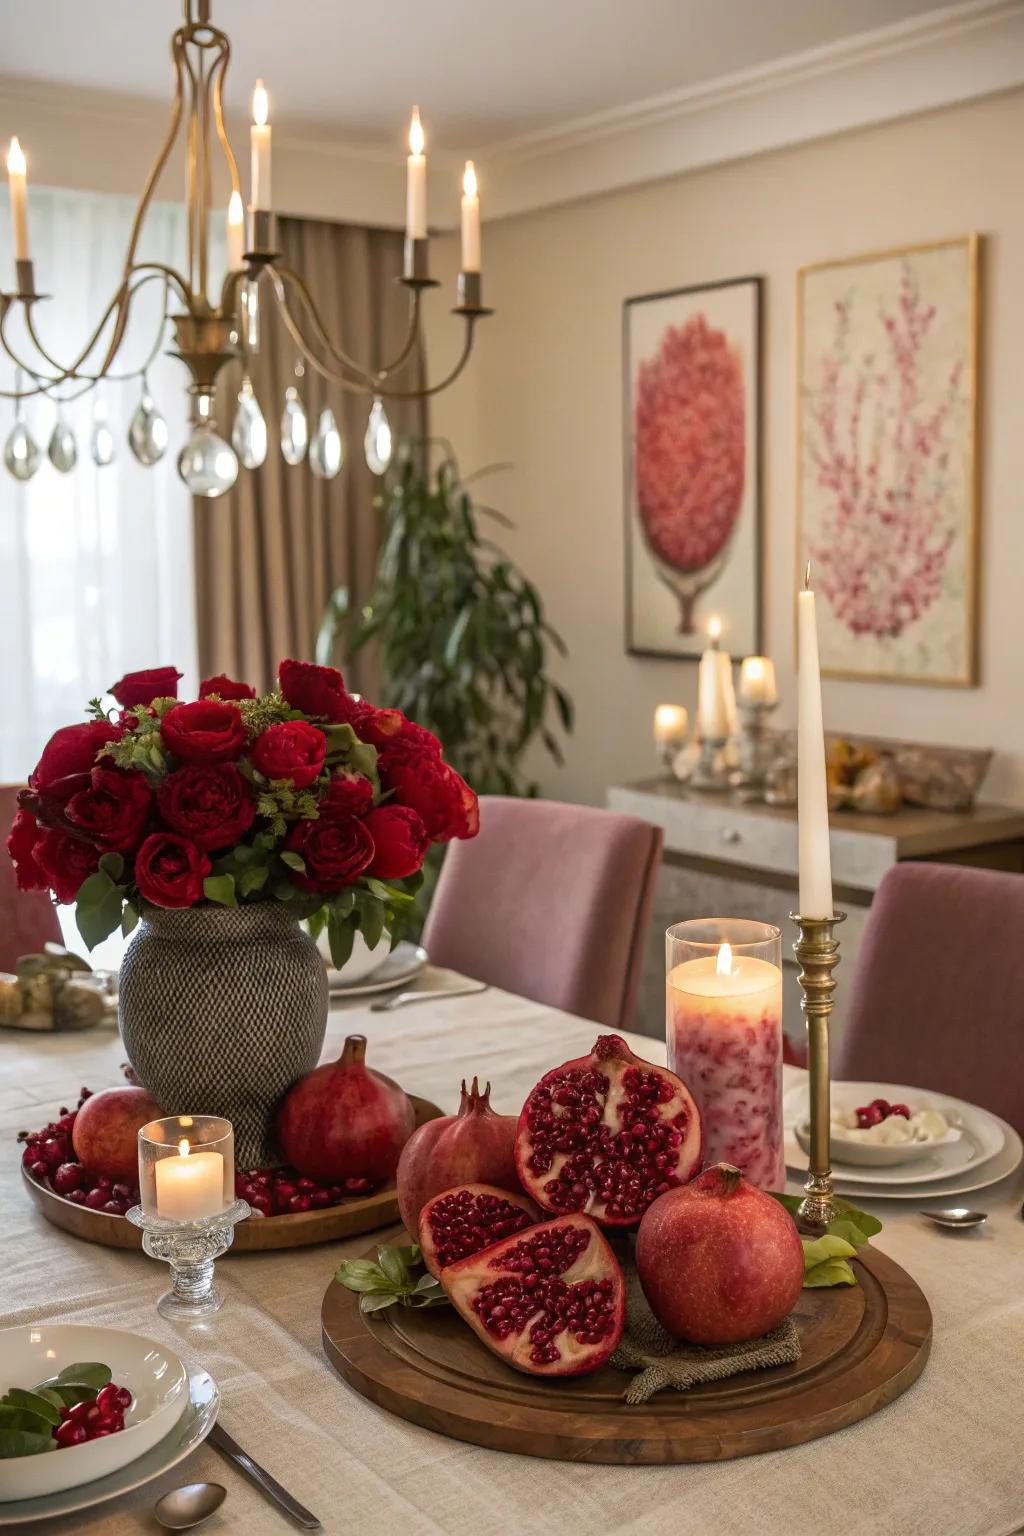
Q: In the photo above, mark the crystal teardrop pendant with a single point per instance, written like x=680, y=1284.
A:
x=325, y=451
x=62, y=450
x=101, y=440
x=377, y=444
x=207, y=464
x=249, y=432
x=21, y=452
x=294, y=427
x=147, y=431
x=251, y=314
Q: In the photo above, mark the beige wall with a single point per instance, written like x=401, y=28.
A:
x=545, y=392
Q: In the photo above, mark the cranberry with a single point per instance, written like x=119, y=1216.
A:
x=87, y=1413
x=873, y=1115
x=320, y=1198
x=39, y=1170
x=70, y=1433
x=285, y=1193
x=357, y=1186
x=104, y=1182
x=114, y=1208
x=262, y=1204
x=900, y=1109
x=301, y=1202
x=305, y=1185
x=99, y=1434
x=54, y=1151
x=122, y=1192
x=883, y=1105
x=77, y=1196
x=69, y=1176
x=96, y=1199
x=105, y=1397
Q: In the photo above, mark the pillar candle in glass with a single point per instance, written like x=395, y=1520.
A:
x=186, y=1167
x=724, y=1035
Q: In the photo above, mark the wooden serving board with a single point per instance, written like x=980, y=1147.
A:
x=862, y=1346
x=363, y=1213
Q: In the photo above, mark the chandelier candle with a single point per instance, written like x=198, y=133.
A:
x=16, y=177
x=236, y=233
x=416, y=182
x=470, y=220
x=259, y=145
x=724, y=1037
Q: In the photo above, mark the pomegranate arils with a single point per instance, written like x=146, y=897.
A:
x=460, y=1222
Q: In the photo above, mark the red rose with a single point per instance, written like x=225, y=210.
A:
x=315, y=690
x=349, y=794
x=72, y=750
x=204, y=732
x=400, y=842
x=293, y=750
x=114, y=808
x=170, y=870
x=210, y=803
x=143, y=687
x=21, y=845
x=392, y=733
x=337, y=849
x=66, y=862
x=225, y=688
x=445, y=803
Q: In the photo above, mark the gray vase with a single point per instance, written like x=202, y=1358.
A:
x=221, y=1009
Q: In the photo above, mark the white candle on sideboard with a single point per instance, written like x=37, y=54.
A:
x=259, y=144
x=236, y=233
x=712, y=702
x=470, y=220
x=190, y=1185
x=670, y=721
x=757, y=680
x=812, y=788
x=16, y=178
x=416, y=181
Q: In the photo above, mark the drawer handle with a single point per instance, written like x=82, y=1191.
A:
x=730, y=835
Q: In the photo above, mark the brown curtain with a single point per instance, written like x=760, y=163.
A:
x=270, y=552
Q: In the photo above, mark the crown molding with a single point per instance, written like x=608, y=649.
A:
x=947, y=56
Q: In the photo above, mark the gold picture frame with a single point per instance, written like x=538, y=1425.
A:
x=882, y=631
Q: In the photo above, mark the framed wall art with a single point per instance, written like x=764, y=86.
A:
x=887, y=360
x=692, y=377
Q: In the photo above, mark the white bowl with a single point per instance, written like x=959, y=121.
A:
x=874, y=1154
x=363, y=960
x=152, y=1373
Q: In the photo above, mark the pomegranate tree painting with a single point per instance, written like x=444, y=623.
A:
x=692, y=455
x=887, y=485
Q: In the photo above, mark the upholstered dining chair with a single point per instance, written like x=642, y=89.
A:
x=937, y=999
x=28, y=919
x=551, y=901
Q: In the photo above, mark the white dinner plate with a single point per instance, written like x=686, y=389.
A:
x=403, y=963
x=983, y=1136
x=33, y=1352
x=997, y=1168
x=190, y=1430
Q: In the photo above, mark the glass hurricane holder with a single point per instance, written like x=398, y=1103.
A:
x=817, y=952
x=712, y=771
x=757, y=747
x=188, y=1211
x=724, y=1038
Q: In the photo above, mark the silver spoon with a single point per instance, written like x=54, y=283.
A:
x=958, y=1217
x=185, y=1507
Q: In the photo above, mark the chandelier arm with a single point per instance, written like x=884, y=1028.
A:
x=185, y=64
x=449, y=378
x=62, y=372
x=161, y=160
x=284, y=275
x=412, y=337
x=351, y=386
x=218, y=72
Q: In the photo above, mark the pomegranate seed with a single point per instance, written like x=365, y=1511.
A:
x=301, y=1202
x=900, y=1109
x=70, y=1433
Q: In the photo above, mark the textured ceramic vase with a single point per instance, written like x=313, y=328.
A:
x=221, y=1009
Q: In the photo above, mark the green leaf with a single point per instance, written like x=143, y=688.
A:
x=848, y=1229
x=35, y=1402
x=362, y=1275
x=253, y=879
x=12, y=1417
x=98, y=908
x=24, y=1442
x=340, y=937
x=221, y=889
x=376, y=1301
x=293, y=860
x=869, y=1225
x=393, y=1265
x=129, y=918
x=831, y=1272
x=92, y=1373
x=824, y=1248
x=112, y=864
x=372, y=923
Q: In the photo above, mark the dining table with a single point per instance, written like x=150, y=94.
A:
x=944, y=1459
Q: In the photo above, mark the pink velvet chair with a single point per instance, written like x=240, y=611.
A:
x=937, y=1000
x=551, y=901
x=27, y=919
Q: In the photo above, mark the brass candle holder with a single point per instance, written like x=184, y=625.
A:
x=817, y=951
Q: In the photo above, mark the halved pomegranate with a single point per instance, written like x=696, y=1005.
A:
x=459, y=1222
x=607, y=1134
x=550, y=1302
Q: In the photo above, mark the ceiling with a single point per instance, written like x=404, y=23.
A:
x=483, y=72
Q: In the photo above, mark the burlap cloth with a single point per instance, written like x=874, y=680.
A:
x=663, y=1361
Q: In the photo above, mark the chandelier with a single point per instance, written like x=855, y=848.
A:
x=211, y=334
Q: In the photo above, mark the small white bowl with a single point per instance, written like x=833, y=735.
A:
x=152, y=1373
x=362, y=962
x=874, y=1154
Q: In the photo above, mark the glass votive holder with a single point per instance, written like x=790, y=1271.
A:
x=188, y=1211
x=724, y=1038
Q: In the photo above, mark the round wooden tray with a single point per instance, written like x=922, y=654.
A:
x=862, y=1346
x=363, y=1213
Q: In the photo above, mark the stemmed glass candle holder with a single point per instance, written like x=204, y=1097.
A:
x=188, y=1209
x=724, y=1035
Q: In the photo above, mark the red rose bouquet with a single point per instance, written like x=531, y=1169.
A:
x=307, y=796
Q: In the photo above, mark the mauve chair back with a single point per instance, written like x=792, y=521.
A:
x=937, y=999
x=28, y=919
x=551, y=901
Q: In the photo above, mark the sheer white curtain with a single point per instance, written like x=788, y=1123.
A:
x=96, y=566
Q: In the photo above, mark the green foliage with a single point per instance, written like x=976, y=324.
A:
x=463, y=641
x=397, y=1277
x=826, y=1258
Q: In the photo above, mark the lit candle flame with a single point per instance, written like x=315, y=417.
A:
x=417, y=138
x=184, y=1149
x=16, y=159
x=469, y=183
x=235, y=211
x=260, y=105
x=723, y=965
x=714, y=627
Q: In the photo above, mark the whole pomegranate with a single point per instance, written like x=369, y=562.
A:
x=105, y=1134
x=344, y=1121
x=607, y=1134
x=475, y=1146
x=720, y=1261
x=550, y=1301
x=459, y=1222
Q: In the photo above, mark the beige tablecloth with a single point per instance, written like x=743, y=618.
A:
x=944, y=1460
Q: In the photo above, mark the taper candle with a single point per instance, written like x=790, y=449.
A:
x=712, y=701
x=236, y=233
x=812, y=787
x=259, y=143
x=16, y=177
x=470, y=220
x=416, y=182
